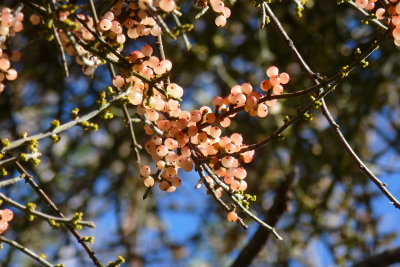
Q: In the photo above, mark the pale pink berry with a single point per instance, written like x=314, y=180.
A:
x=6, y=215
x=3, y=226
x=109, y=15
x=34, y=19
x=118, y=81
x=4, y=64
x=227, y=12
x=227, y=161
x=145, y=170
x=272, y=71
x=147, y=50
x=232, y=216
x=379, y=13
x=284, y=77
x=225, y=123
x=152, y=114
x=220, y=21
x=175, y=90
x=11, y=75
x=228, y=179
x=265, y=85
x=277, y=89
x=235, y=185
x=148, y=181
x=167, y=5
x=241, y=173
x=361, y=3
x=161, y=150
x=217, y=5
x=116, y=27
x=262, y=110
x=105, y=24
x=246, y=88
x=243, y=185
x=396, y=33
x=237, y=139
x=218, y=101
x=275, y=80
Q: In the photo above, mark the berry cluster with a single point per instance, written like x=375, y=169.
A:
x=366, y=4
x=224, y=12
x=11, y=23
x=6, y=216
x=177, y=135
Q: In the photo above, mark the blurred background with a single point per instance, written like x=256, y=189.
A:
x=335, y=215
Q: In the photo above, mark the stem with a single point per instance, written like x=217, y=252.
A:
x=27, y=251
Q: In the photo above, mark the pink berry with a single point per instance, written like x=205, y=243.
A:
x=220, y=21
x=167, y=5
x=145, y=170
x=6, y=215
x=232, y=216
x=105, y=24
x=118, y=81
x=272, y=71
x=148, y=181
x=11, y=75
x=284, y=77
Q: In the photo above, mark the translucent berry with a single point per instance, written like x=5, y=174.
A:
x=232, y=216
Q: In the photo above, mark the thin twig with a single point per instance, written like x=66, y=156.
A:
x=325, y=110
x=60, y=48
x=11, y=181
x=11, y=160
x=27, y=251
x=63, y=127
x=237, y=202
x=135, y=146
x=157, y=176
x=184, y=36
x=219, y=200
x=159, y=20
x=272, y=216
x=202, y=12
x=160, y=48
x=365, y=13
x=354, y=156
x=43, y=195
x=41, y=214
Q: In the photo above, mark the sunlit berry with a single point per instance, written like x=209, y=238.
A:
x=232, y=216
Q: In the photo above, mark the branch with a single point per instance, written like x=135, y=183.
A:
x=11, y=181
x=214, y=195
x=325, y=110
x=27, y=251
x=135, y=146
x=63, y=127
x=365, y=13
x=385, y=258
x=260, y=237
x=27, y=156
x=234, y=198
x=353, y=155
x=43, y=195
x=41, y=214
